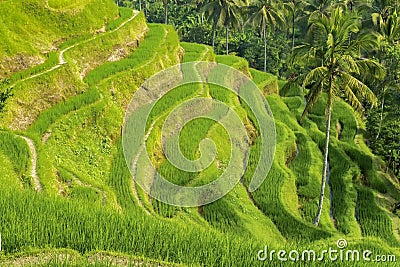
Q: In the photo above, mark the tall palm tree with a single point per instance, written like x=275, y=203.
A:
x=294, y=9
x=265, y=14
x=165, y=5
x=354, y=5
x=318, y=6
x=389, y=30
x=224, y=13
x=381, y=10
x=336, y=63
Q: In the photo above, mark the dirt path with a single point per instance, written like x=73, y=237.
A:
x=73, y=258
x=101, y=191
x=203, y=55
x=143, y=150
x=32, y=149
x=133, y=187
x=134, y=191
x=61, y=59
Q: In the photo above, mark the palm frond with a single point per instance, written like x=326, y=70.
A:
x=317, y=74
x=352, y=99
x=312, y=97
x=348, y=64
x=358, y=88
x=372, y=68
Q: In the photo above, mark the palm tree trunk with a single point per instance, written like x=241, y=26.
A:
x=166, y=12
x=145, y=8
x=265, y=45
x=213, y=37
x=325, y=169
x=381, y=117
x=293, y=29
x=140, y=5
x=227, y=40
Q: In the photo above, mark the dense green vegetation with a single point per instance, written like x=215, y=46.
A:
x=379, y=16
x=250, y=21
x=63, y=116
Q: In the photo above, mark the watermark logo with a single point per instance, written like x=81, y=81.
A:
x=341, y=243
x=141, y=119
x=333, y=254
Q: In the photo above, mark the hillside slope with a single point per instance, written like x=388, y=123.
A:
x=64, y=182
x=29, y=30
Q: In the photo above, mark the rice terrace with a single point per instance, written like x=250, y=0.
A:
x=199, y=133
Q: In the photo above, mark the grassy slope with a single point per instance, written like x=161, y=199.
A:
x=66, y=81
x=29, y=29
x=88, y=189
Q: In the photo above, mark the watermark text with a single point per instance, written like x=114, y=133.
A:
x=338, y=253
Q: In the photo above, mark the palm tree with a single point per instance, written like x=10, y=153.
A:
x=389, y=30
x=381, y=10
x=318, y=6
x=336, y=63
x=265, y=14
x=165, y=4
x=223, y=13
x=355, y=5
x=294, y=8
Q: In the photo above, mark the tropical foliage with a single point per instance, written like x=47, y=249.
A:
x=333, y=59
x=328, y=70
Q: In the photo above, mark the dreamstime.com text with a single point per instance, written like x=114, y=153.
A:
x=339, y=253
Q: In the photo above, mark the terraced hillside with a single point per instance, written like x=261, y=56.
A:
x=66, y=193
x=32, y=30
